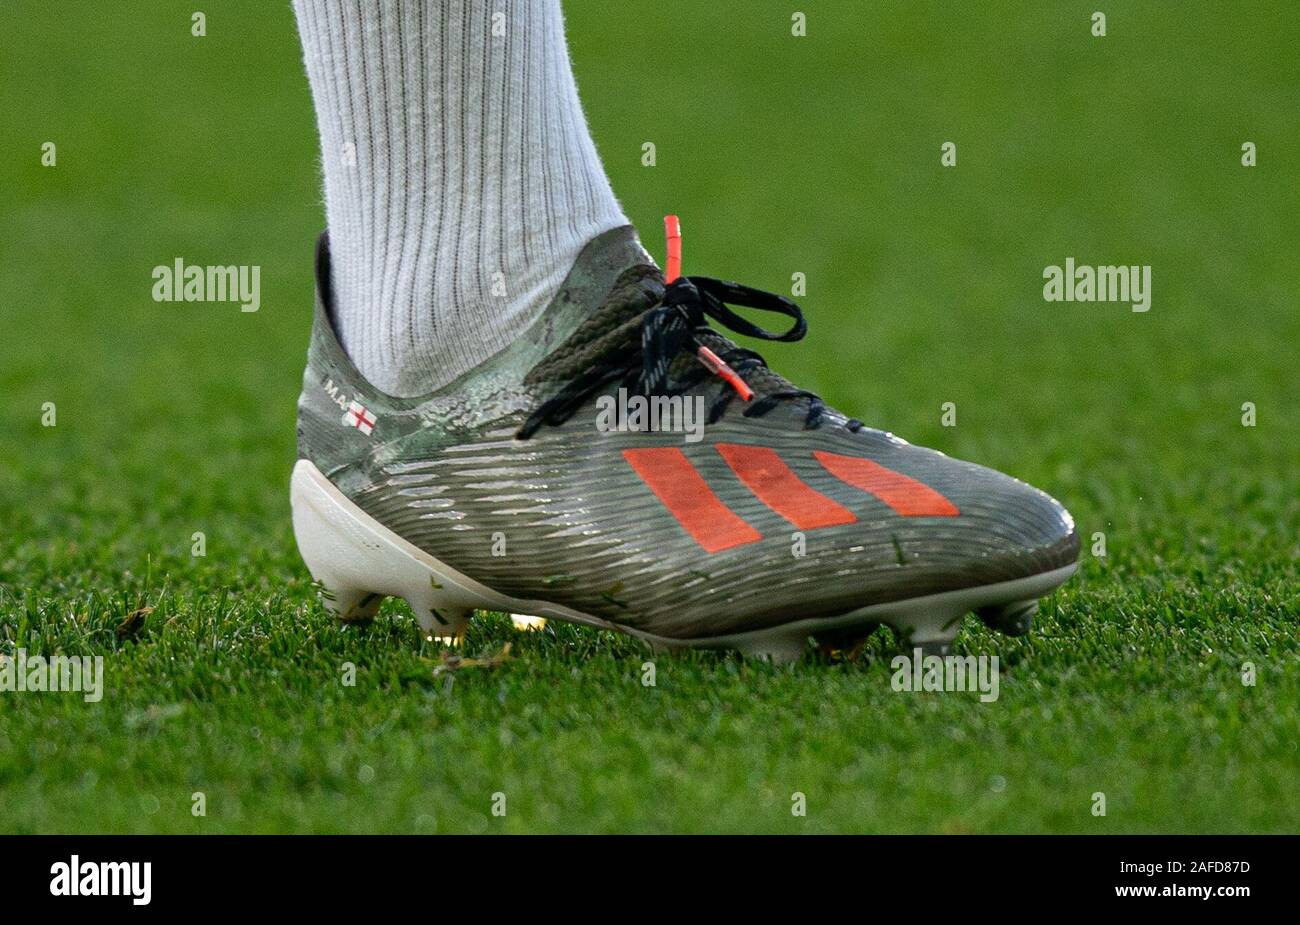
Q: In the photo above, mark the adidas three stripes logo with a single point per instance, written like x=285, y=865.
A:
x=683, y=491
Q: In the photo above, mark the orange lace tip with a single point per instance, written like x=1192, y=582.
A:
x=673, y=232
x=715, y=365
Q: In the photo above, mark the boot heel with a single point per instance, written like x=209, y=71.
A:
x=358, y=562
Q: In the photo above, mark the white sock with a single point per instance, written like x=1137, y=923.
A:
x=456, y=160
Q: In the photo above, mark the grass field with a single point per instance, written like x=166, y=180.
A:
x=818, y=155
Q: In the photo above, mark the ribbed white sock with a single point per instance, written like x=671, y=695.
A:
x=458, y=166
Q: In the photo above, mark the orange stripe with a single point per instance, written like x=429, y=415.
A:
x=670, y=475
x=776, y=485
x=905, y=495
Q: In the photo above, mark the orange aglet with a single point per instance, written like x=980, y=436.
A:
x=673, y=232
x=716, y=366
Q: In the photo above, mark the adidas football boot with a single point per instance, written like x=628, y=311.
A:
x=626, y=466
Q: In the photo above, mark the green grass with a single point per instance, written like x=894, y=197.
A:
x=818, y=155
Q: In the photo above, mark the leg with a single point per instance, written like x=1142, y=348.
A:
x=460, y=179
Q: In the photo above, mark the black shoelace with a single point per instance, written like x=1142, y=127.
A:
x=678, y=323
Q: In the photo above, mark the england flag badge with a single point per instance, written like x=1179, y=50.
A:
x=359, y=417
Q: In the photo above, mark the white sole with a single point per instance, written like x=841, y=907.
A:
x=358, y=562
